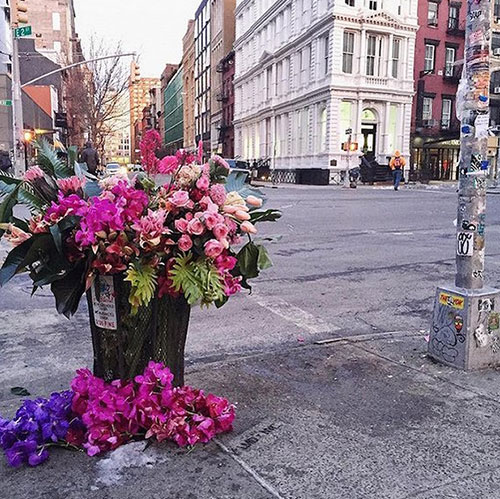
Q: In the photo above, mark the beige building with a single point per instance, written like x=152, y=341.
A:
x=222, y=29
x=117, y=149
x=188, y=86
x=139, y=99
x=53, y=23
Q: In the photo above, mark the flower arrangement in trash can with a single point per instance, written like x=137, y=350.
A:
x=189, y=236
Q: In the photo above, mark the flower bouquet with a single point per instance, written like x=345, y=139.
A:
x=142, y=251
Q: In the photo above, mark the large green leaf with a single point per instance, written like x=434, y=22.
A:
x=265, y=216
x=49, y=162
x=248, y=260
x=31, y=200
x=69, y=290
x=13, y=261
x=7, y=207
x=41, y=249
x=263, y=261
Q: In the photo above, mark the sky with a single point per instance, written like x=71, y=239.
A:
x=152, y=28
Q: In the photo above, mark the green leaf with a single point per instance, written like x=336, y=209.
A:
x=7, y=207
x=264, y=262
x=49, y=162
x=40, y=250
x=264, y=216
x=248, y=260
x=14, y=259
x=143, y=285
x=69, y=290
x=31, y=200
x=57, y=236
x=20, y=224
x=20, y=391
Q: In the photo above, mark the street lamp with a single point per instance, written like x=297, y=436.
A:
x=28, y=136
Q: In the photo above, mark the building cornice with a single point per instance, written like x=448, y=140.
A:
x=382, y=19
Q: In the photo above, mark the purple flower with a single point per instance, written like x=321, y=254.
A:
x=20, y=452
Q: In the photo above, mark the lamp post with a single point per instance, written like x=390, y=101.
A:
x=465, y=329
x=28, y=136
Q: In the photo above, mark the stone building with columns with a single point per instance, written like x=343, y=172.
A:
x=312, y=73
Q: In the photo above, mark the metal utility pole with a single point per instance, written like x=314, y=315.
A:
x=465, y=331
x=17, y=110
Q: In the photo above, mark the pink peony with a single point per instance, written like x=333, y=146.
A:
x=213, y=248
x=220, y=162
x=212, y=219
x=203, y=183
x=168, y=165
x=195, y=227
x=208, y=205
x=218, y=194
x=248, y=228
x=180, y=198
x=220, y=231
x=185, y=243
x=225, y=263
x=200, y=151
x=181, y=224
x=33, y=173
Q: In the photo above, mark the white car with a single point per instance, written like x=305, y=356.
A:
x=115, y=169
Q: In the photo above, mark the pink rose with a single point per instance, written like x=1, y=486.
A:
x=181, y=225
x=248, y=227
x=220, y=231
x=212, y=219
x=242, y=215
x=168, y=165
x=208, y=205
x=225, y=262
x=213, y=248
x=254, y=201
x=185, y=243
x=180, y=199
x=203, y=183
x=195, y=227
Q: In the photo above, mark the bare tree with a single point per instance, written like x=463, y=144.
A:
x=97, y=99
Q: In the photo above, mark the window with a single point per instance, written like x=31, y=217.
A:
x=430, y=56
x=449, y=65
x=348, y=52
x=427, y=110
x=496, y=9
x=277, y=78
x=269, y=83
x=396, y=48
x=326, y=53
x=372, y=4
x=453, y=13
x=350, y=3
x=446, y=113
x=373, y=52
x=322, y=128
x=57, y=46
x=56, y=21
x=432, y=14
x=304, y=64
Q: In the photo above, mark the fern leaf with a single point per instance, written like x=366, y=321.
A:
x=143, y=285
x=50, y=163
x=32, y=201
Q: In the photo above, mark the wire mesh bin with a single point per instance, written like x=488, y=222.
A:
x=124, y=343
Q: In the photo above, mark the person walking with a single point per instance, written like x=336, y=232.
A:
x=397, y=165
x=89, y=155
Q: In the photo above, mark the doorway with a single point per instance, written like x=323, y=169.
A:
x=369, y=133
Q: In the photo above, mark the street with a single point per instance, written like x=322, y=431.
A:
x=365, y=416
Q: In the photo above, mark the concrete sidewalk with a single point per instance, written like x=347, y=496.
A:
x=359, y=418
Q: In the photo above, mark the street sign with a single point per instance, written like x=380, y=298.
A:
x=348, y=131
x=6, y=102
x=22, y=31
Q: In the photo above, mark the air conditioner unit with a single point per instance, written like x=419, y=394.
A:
x=496, y=51
x=496, y=90
x=440, y=73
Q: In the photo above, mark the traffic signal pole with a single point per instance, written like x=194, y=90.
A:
x=465, y=330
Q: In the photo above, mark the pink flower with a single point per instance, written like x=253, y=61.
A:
x=33, y=173
x=195, y=227
x=181, y=224
x=208, y=205
x=185, y=243
x=225, y=263
x=14, y=235
x=180, y=198
x=220, y=231
x=200, y=151
x=71, y=184
x=213, y=248
x=248, y=228
x=242, y=215
x=254, y=201
x=168, y=165
x=212, y=219
x=148, y=146
x=218, y=194
x=231, y=285
x=220, y=162
x=38, y=225
x=150, y=228
x=203, y=183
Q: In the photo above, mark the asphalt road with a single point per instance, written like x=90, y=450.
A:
x=349, y=416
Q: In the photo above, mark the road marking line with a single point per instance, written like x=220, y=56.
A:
x=262, y=481
x=293, y=314
x=365, y=337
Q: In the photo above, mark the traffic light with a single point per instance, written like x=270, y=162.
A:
x=350, y=146
x=19, y=12
x=28, y=136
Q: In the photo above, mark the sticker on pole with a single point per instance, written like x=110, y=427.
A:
x=103, y=303
x=465, y=244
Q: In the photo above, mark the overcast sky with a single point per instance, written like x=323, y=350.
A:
x=152, y=28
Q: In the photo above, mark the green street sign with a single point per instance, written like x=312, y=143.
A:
x=22, y=31
x=6, y=102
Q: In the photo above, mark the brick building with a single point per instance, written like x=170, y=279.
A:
x=439, y=56
x=188, y=85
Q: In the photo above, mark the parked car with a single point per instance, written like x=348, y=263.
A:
x=115, y=169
